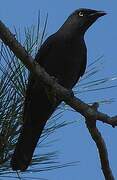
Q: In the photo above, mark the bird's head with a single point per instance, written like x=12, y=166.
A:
x=81, y=19
x=86, y=17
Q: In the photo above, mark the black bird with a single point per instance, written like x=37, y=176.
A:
x=64, y=56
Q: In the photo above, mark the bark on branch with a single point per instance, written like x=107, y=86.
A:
x=90, y=113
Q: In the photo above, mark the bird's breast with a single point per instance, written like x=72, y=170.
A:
x=66, y=62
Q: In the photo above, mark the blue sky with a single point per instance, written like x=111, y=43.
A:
x=74, y=142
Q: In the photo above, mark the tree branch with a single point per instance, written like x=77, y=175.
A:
x=98, y=139
x=90, y=113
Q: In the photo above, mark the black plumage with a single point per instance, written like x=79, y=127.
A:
x=64, y=56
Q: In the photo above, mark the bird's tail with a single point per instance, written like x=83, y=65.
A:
x=25, y=147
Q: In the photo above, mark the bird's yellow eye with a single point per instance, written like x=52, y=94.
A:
x=81, y=14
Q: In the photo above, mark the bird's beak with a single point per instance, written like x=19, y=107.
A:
x=98, y=14
x=101, y=13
